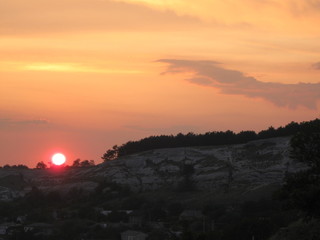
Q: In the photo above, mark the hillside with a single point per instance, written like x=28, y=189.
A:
x=233, y=169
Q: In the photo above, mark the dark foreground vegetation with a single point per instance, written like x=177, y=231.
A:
x=207, y=139
x=105, y=214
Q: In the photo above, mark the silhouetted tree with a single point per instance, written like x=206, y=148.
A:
x=87, y=163
x=305, y=147
x=76, y=163
x=41, y=165
x=84, y=163
x=302, y=190
x=111, y=154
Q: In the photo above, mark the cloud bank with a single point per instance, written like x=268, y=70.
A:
x=233, y=82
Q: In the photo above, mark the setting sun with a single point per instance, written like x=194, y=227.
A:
x=58, y=159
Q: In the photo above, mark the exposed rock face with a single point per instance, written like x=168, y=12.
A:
x=231, y=168
x=223, y=168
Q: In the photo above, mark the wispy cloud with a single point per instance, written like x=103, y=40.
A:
x=162, y=130
x=234, y=82
x=37, y=16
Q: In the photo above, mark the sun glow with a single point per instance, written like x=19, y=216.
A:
x=58, y=159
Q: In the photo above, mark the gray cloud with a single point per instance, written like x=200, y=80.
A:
x=36, y=121
x=210, y=73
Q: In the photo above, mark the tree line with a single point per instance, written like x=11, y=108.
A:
x=76, y=164
x=207, y=139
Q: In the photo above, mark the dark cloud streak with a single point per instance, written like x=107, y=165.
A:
x=10, y=122
x=316, y=66
x=233, y=82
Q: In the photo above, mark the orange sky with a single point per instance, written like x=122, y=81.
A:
x=79, y=76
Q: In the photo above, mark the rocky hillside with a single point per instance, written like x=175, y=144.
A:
x=224, y=168
x=241, y=169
